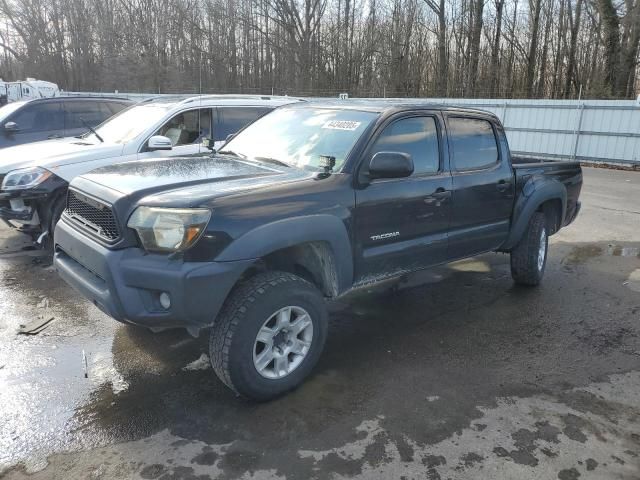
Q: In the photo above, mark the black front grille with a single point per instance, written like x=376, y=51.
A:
x=93, y=215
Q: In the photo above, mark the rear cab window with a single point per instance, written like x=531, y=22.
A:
x=473, y=143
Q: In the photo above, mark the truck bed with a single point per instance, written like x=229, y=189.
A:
x=522, y=163
x=568, y=172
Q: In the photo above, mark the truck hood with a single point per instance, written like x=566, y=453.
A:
x=51, y=154
x=183, y=179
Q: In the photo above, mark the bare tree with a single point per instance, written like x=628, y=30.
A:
x=543, y=48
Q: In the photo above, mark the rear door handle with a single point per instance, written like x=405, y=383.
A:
x=50, y=137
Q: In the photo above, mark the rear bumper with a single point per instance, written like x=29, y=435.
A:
x=126, y=284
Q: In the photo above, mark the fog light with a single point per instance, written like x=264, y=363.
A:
x=165, y=300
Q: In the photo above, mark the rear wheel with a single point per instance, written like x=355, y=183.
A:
x=269, y=335
x=529, y=257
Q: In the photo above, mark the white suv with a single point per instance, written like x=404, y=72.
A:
x=34, y=177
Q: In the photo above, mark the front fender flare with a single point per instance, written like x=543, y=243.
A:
x=289, y=232
x=534, y=193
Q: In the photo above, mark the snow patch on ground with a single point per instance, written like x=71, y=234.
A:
x=201, y=363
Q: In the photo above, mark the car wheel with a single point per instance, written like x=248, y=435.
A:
x=529, y=257
x=269, y=335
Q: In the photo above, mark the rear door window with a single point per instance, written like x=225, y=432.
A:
x=233, y=119
x=417, y=136
x=473, y=143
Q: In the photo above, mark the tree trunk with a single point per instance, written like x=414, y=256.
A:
x=474, y=50
x=574, y=24
x=534, y=7
x=611, y=37
x=494, y=74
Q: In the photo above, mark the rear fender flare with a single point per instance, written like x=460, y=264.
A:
x=288, y=232
x=535, y=192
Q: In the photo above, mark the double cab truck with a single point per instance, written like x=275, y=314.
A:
x=306, y=204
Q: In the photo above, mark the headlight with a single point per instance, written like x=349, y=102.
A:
x=168, y=229
x=25, y=178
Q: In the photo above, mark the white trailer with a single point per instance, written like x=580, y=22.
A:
x=26, y=90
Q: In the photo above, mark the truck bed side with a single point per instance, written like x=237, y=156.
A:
x=552, y=186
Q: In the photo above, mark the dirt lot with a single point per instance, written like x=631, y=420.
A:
x=465, y=377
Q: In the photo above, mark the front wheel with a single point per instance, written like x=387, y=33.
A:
x=269, y=335
x=529, y=257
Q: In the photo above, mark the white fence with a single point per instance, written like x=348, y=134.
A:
x=600, y=131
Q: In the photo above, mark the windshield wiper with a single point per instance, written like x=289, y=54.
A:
x=232, y=153
x=91, y=129
x=274, y=161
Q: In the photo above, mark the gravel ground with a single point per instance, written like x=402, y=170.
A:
x=459, y=375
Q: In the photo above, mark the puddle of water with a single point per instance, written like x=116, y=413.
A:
x=620, y=251
x=471, y=265
x=633, y=282
x=583, y=253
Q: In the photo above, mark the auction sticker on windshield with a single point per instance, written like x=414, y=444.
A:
x=341, y=125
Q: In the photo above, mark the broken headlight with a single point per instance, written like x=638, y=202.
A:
x=25, y=178
x=168, y=229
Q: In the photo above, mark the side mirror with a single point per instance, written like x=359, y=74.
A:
x=159, y=142
x=391, y=165
x=11, y=127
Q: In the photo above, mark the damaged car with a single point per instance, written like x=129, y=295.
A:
x=34, y=177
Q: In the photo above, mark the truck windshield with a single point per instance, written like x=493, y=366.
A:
x=130, y=123
x=300, y=136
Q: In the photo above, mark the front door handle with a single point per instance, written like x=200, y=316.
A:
x=51, y=137
x=440, y=195
x=503, y=186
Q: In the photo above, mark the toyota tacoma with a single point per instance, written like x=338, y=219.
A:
x=306, y=204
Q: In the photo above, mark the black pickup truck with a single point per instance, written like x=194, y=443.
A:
x=307, y=203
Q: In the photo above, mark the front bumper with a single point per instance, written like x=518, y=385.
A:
x=126, y=283
x=7, y=213
x=20, y=206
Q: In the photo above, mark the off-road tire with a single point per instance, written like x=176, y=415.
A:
x=525, y=266
x=250, y=304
